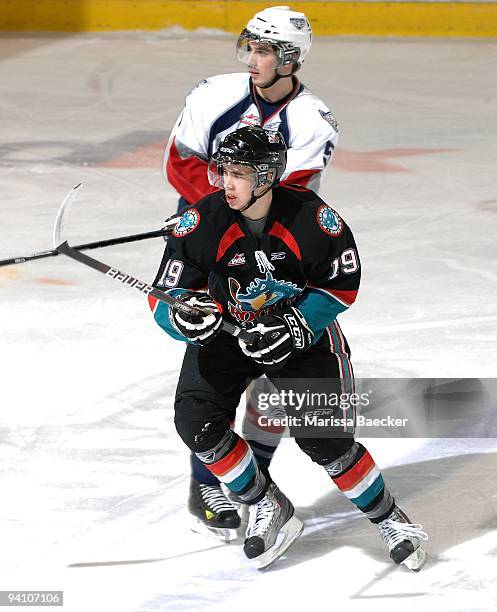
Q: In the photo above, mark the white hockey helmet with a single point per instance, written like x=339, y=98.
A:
x=288, y=31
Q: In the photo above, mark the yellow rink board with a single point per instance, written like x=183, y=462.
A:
x=327, y=18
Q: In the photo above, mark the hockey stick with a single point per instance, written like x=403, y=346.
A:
x=170, y=222
x=62, y=246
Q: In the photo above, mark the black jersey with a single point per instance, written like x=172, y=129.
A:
x=306, y=257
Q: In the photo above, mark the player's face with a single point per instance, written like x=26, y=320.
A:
x=239, y=184
x=261, y=60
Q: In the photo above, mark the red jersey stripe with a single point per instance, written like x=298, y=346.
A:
x=295, y=91
x=152, y=302
x=345, y=297
x=299, y=178
x=188, y=176
x=281, y=232
x=231, y=235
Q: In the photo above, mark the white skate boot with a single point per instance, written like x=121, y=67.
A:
x=272, y=528
x=403, y=539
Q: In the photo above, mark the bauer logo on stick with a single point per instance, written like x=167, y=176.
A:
x=187, y=224
x=126, y=279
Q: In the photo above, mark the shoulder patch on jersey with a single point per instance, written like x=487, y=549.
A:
x=329, y=118
x=329, y=221
x=187, y=224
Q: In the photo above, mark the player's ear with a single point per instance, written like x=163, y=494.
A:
x=286, y=70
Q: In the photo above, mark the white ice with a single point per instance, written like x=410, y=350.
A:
x=94, y=477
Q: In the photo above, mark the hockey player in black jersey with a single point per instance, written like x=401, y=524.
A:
x=280, y=262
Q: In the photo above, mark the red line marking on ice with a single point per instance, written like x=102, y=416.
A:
x=45, y=280
x=375, y=161
x=148, y=156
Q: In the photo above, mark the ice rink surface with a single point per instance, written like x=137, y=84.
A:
x=94, y=478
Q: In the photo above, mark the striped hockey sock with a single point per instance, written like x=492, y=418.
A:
x=263, y=438
x=199, y=471
x=359, y=478
x=233, y=463
x=262, y=452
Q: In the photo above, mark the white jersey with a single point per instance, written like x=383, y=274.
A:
x=221, y=104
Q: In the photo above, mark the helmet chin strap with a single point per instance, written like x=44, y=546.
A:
x=279, y=76
x=274, y=80
x=254, y=198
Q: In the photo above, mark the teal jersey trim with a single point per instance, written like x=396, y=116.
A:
x=163, y=314
x=319, y=309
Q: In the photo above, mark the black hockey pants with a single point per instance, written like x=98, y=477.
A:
x=214, y=377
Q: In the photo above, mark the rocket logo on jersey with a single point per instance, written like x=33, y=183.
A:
x=187, y=224
x=260, y=296
x=329, y=221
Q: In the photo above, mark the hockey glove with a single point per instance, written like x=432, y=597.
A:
x=201, y=328
x=278, y=336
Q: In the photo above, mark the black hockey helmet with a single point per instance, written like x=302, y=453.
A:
x=264, y=151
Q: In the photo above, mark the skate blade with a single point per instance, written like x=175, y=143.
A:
x=415, y=560
x=286, y=537
x=222, y=534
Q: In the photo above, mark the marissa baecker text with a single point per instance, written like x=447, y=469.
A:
x=311, y=420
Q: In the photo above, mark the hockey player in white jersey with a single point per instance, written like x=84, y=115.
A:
x=273, y=45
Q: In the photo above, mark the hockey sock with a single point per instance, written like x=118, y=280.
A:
x=359, y=478
x=200, y=473
x=262, y=452
x=263, y=438
x=232, y=462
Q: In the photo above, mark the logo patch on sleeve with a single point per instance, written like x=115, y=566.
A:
x=187, y=224
x=329, y=221
x=329, y=118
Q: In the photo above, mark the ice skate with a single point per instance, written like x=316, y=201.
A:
x=243, y=512
x=403, y=540
x=272, y=528
x=212, y=512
